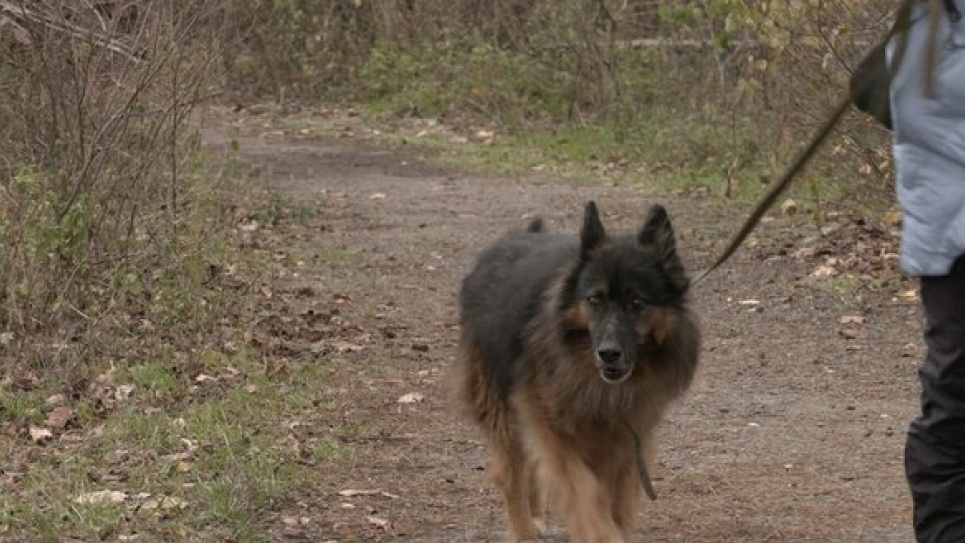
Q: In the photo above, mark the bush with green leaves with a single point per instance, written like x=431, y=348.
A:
x=106, y=209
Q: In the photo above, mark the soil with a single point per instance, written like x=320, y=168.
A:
x=793, y=431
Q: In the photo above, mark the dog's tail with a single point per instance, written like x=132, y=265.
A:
x=536, y=225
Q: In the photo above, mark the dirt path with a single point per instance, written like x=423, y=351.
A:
x=792, y=432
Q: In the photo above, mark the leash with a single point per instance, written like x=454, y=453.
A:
x=641, y=464
x=778, y=188
x=804, y=156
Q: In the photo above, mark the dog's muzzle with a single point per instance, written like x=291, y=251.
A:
x=612, y=368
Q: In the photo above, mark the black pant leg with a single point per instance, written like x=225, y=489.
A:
x=935, y=450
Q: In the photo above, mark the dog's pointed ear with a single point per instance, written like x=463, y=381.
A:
x=592, y=234
x=658, y=232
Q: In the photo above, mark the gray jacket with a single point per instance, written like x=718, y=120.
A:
x=929, y=147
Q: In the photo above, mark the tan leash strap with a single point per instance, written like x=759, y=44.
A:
x=782, y=184
x=806, y=154
x=641, y=463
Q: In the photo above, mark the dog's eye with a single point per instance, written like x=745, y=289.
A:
x=638, y=303
x=594, y=300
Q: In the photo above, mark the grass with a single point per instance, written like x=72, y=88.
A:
x=597, y=153
x=198, y=437
x=222, y=456
x=668, y=129
x=25, y=407
x=338, y=257
x=156, y=379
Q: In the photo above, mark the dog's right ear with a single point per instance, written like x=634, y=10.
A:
x=592, y=234
x=658, y=232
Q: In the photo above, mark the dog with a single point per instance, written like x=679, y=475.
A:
x=566, y=344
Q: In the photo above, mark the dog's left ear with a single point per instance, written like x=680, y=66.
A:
x=592, y=234
x=658, y=232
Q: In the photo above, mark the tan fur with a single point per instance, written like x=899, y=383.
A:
x=559, y=435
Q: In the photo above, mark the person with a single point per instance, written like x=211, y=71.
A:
x=928, y=117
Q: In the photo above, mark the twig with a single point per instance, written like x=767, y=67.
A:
x=22, y=12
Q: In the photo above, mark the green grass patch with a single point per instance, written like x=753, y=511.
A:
x=449, y=75
x=25, y=407
x=663, y=131
x=157, y=379
x=195, y=461
x=222, y=460
x=338, y=257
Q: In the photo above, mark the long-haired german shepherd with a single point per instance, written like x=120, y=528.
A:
x=567, y=343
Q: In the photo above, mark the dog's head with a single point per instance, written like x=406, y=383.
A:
x=625, y=292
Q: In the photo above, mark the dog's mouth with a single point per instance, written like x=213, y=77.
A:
x=615, y=376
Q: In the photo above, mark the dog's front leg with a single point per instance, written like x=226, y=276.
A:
x=577, y=492
x=510, y=471
x=625, y=489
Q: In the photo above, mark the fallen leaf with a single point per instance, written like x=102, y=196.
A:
x=824, y=271
x=190, y=445
x=789, y=207
x=123, y=392
x=830, y=229
x=346, y=347
x=412, y=397
x=485, y=135
x=910, y=294
x=101, y=497
x=117, y=456
x=380, y=522
x=59, y=418
x=55, y=400
x=40, y=435
x=893, y=218
x=852, y=319
x=202, y=378
x=276, y=367
x=351, y=493
x=848, y=334
x=11, y=429
x=164, y=505
x=107, y=377
x=26, y=382
x=377, y=196
x=176, y=457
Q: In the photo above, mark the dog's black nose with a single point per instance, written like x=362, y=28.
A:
x=609, y=356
